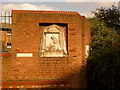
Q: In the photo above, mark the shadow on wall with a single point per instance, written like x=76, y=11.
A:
x=79, y=79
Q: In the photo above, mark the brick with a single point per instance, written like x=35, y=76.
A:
x=26, y=38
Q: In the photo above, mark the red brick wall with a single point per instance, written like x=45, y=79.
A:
x=26, y=38
x=5, y=39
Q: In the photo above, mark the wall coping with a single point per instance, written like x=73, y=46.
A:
x=49, y=12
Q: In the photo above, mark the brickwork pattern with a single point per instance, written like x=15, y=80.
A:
x=26, y=38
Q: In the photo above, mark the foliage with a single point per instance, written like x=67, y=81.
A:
x=111, y=16
x=102, y=36
x=104, y=61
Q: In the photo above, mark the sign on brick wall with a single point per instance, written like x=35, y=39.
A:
x=24, y=54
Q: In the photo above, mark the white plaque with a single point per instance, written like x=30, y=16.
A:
x=24, y=54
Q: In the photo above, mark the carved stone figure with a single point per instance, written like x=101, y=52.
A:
x=53, y=43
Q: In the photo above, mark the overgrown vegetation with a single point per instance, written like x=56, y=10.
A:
x=111, y=16
x=104, y=60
